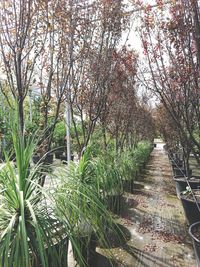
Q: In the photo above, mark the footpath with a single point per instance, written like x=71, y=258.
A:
x=153, y=222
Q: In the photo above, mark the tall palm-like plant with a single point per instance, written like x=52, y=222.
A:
x=30, y=233
x=80, y=187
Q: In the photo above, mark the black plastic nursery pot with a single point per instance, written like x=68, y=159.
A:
x=136, y=175
x=61, y=256
x=181, y=171
x=192, y=213
x=49, y=159
x=88, y=249
x=87, y=243
x=177, y=164
x=128, y=185
x=35, y=158
x=115, y=236
x=175, y=158
x=58, y=154
x=114, y=202
x=194, y=231
x=64, y=158
x=181, y=183
x=142, y=167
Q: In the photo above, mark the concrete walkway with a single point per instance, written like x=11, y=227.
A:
x=154, y=223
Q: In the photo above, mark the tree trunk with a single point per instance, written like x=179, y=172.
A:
x=21, y=115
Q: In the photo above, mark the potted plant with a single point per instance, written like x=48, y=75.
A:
x=108, y=181
x=182, y=182
x=32, y=231
x=128, y=168
x=59, y=139
x=190, y=199
x=181, y=171
x=64, y=158
x=142, y=154
x=26, y=224
x=41, y=155
x=78, y=187
x=194, y=231
x=177, y=163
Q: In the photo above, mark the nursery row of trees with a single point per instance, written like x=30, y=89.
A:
x=59, y=56
x=171, y=41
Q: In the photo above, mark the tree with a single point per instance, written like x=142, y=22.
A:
x=169, y=36
x=98, y=32
x=121, y=100
x=167, y=128
x=23, y=33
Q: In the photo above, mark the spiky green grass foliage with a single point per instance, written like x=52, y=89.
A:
x=127, y=164
x=142, y=153
x=30, y=233
x=131, y=160
x=108, y=171
x=80, y=187
x=104, y=171
x=107, y=177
